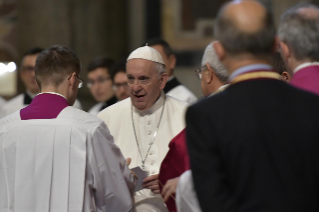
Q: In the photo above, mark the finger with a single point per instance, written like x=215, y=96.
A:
x=167, y=195
x=165, y=189
x=151, y=178
x=153, y=187
x=156, y=191
x=150, y=183
x=128, y=161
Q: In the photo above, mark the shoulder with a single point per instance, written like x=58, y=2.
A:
x=10, y=118
x=80, y=116
x=96, y=108
x=176, y=103
x=77, y=104
x=14, y=101
x=116, y=108
x=182, y=93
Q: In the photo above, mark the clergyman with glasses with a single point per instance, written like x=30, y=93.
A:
x=119, y=78
x=144, y=124
x=100, y=83
x=58, y=158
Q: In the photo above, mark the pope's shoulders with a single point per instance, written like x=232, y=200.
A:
x=118, y=108
x=176, y=103
x=14, y=101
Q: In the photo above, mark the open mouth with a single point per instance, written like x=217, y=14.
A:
x=139, y=96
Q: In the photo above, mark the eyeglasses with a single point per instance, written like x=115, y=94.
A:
x=199, y=71
x=119, y=85
x=81, y=81
x=98, y=81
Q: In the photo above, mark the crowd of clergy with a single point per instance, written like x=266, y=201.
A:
x=149, y=145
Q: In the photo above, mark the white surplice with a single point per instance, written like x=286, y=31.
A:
x=186, y=198
x=17, y=103
x=118, y=119
x=2, y=102
x=65, y=164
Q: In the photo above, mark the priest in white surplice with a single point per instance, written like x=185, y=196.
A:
x=144, y=124
x=54, y=157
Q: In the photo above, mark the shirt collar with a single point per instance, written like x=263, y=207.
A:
x=170, y=78
x=52, y=93
x=219, y=89
x=248, y=68
x=32, y=95
x=157, y=105
x=305, y=65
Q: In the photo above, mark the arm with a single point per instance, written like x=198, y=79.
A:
x=210, y=180
x=113, y=181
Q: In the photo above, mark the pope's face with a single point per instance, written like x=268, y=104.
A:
x=145, y=84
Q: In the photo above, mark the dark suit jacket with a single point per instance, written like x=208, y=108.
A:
x=255, y=147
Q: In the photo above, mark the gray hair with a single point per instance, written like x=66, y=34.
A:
x=160, y=68
x=301, y=32
x=212, y=59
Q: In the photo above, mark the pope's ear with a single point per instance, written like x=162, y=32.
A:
x=163, y=80
x=219, y=49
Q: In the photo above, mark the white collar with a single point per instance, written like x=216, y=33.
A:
x=53, y=93
x=157, y=105
x=219, y=89
x=305, y=65
x=32, y=95
x=170, y=78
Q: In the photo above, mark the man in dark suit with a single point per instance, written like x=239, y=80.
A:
x=254, y=146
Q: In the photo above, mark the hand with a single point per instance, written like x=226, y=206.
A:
x=151, y=182
x=170, y=188
x=128, y=162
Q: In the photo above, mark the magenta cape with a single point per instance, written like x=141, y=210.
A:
x=307, y=79
x=44, y=106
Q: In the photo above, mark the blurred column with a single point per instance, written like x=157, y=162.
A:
x=280, y=6
x=90, y=27
x=137, y=23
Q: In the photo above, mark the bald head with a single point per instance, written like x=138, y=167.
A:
x=245, y=27
x=247, y=16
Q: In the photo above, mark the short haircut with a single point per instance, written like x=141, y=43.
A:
x=101, y=62
x=33, y=51
x=159, y=41
x=300, y=33
x=236, y=41
x=278, y=63
x=212, y=59
x=119, y=67
x=54, y=64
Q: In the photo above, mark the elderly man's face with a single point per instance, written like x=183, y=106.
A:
x=145, y=84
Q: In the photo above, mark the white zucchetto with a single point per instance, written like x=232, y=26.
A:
x=146, y=53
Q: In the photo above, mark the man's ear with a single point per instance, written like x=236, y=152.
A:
x=210, y=74
x=163, y=80
x=172, y=61
x=219, y=49
x=285, y=51
x=72, y=81
x=286, y=76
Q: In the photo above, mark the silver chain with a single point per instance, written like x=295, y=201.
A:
x=153, y=138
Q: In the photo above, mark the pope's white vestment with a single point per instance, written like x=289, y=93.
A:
x=118, y=119
x=65, y=164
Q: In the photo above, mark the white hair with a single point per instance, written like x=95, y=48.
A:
x=212, y=59
x=160, y=68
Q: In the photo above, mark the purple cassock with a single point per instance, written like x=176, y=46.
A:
x=44, y=106
x=307, y=79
